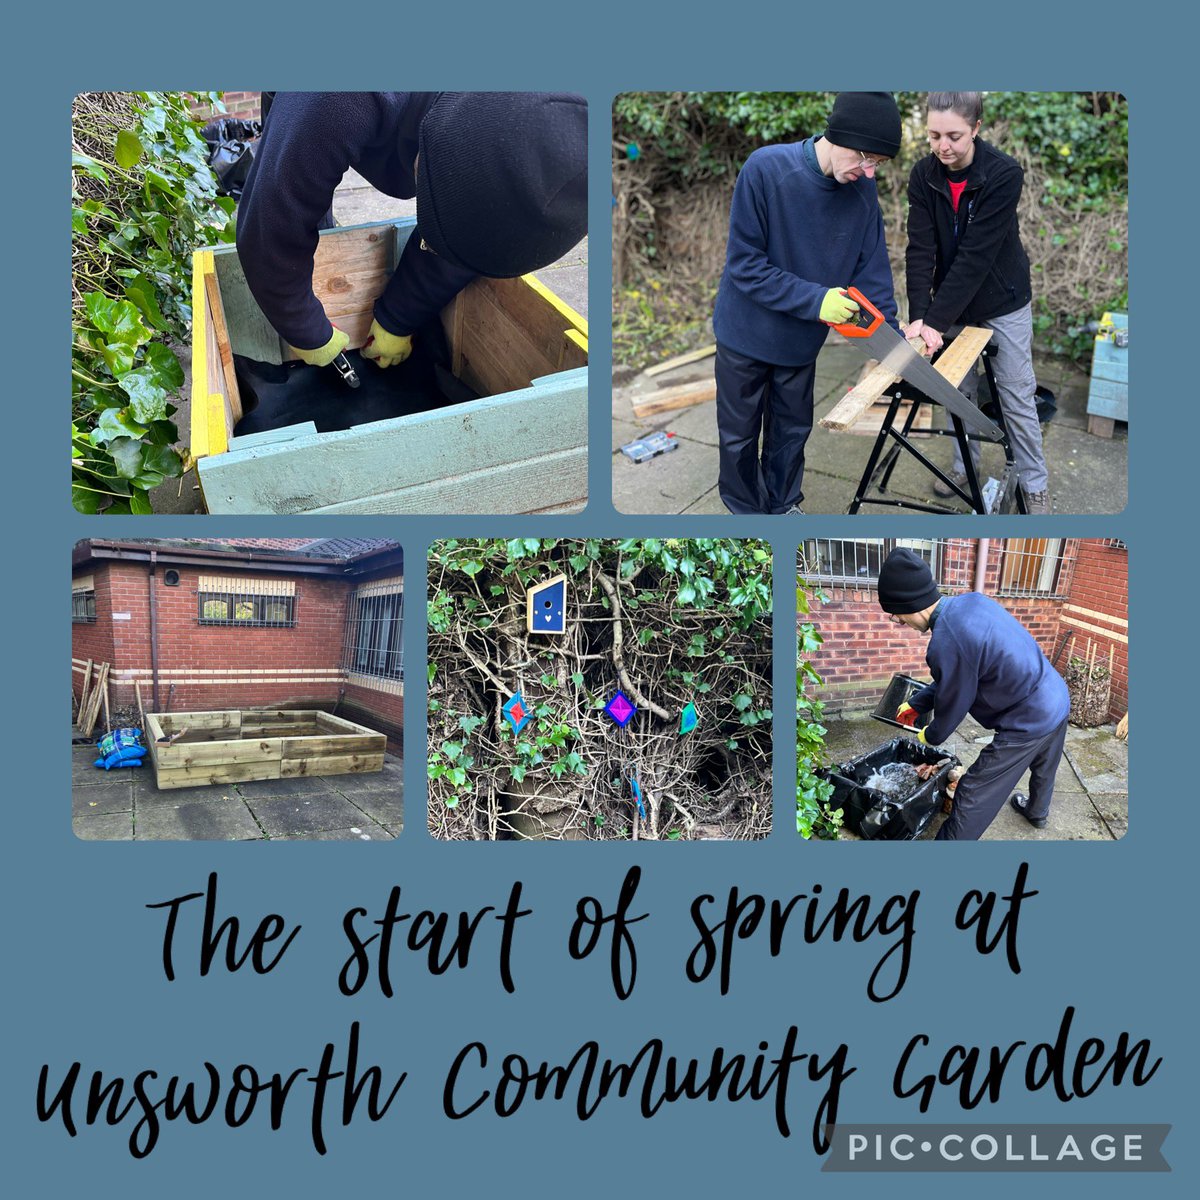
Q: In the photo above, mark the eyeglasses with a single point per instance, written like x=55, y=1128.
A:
x=869, y=160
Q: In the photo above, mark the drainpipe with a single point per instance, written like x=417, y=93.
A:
x=154, y=631
x=981, y=562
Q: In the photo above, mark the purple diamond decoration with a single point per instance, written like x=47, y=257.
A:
x=621, y=709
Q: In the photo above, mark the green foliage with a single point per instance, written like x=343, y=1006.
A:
x=813, y=815
x=143, y=198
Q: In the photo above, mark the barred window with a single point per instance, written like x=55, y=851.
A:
x=855, y=562
x=373, y=645
x=83, y=601
x=1036, y=567
x=246, y=602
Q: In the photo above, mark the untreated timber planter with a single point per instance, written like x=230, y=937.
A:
x=237, y=745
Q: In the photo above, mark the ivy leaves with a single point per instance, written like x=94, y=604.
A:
x=143, y=198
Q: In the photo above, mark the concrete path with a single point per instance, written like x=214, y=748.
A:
x=125, y=805
x=1087, y=474
x=1091, y=786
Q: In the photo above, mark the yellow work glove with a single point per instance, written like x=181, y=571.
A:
x=837, y=308
x=921, y=737
x=906, y=715
x=322, y=356
x=386, y=349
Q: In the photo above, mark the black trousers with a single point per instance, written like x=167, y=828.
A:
x=984, y=790
x=756, y=398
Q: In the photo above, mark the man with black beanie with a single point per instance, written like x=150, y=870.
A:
x=986, y=663
x=500, y=180
x=804, y=226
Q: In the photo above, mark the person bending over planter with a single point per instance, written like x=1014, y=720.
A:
x=965, y=265
x=804, y=226
x=500, y=180
x=986, y=663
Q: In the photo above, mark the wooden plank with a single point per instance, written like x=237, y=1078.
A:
x=181, y=777
x=953, y=366
x=284, y=716
x=680, y=360
x=228, y=720
x=358, y=467
x=87, y=719
x=210, y=416
x=1103, y=427
x=574, y=352
x=203, y=754
x=684, y=395
x=267, y=437
x=870, y=423
x=137, y=691
x=347, y=764
x=350, y=269
x=499, y=352
x=250, y=333
x=331, y=723
x=220, y=334
x=83, y=691
x=321, y=747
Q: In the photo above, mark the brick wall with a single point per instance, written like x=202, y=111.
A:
x=243, y=105
x=226, y=666
x=862, y=649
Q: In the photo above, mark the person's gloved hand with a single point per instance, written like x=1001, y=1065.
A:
x=386, y=349
x=921, y=736
x=837, y=308
x=322, y=356
x=906, y=715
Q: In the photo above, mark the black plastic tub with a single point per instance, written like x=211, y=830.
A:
x=873, y=814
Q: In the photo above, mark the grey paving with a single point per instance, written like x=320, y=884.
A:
x=1091, y=797
x=368, y=807
x=1088, y=474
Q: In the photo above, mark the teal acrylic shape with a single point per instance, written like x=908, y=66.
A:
x=688, y=719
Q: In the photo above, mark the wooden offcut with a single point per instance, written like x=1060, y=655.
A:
x=958, y=358
x=680, y=360
x=240, y=745
x=684, y=395
x=521, y=447
x=88, y=714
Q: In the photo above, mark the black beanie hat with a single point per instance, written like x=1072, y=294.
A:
x=906, y=583
x=865, y=121
x=502, y=179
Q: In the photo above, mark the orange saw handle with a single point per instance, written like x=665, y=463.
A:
x=865, y=321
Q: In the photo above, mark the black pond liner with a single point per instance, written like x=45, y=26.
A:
x=275, y=396
x=872, y=814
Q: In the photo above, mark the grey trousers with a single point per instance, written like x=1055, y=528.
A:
x=984, y=790
x=1013, y=368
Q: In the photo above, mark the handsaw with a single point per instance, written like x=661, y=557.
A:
x=872, y=334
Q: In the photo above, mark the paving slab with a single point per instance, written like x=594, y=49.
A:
x=104, y=827
x=147, y=792
x=299, y=816
x=300, y=785
x=356, y=833
x=384, y=807
x=1094, y=763
x=91, y=801
x=196, y=821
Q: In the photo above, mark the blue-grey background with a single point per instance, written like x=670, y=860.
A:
x=1111, y=932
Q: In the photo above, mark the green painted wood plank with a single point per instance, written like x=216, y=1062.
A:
x=250, y=333
x=266, y=437
x=320, y=472
x=554, y=483
x=1108, y=399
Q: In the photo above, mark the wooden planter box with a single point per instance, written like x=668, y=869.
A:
x=232, y=746
x=1108, y=391
x=522, y=447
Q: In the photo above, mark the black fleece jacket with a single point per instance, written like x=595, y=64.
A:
x=309, y=141
x=967, y=267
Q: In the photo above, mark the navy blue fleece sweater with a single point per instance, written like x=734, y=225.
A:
x=794, y=233
x=986, y=663
x=310, y=140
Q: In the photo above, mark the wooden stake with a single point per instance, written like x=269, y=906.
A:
x=686, y=395
x=680, y=360
x=137, y=691
x=87, y=682
x=107, y=718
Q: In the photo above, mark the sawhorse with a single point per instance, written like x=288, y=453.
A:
x=955, y=360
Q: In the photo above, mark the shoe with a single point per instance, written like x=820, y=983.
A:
x=796, y=509
x=1019, y=800
x=1037, y=503
x=942, y=489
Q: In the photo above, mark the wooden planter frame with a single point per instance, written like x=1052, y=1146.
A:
x=237, y=745
x=522, y=447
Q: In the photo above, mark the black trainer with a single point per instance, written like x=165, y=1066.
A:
x=1019, y=800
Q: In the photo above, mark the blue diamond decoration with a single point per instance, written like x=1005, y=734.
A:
x=621, y=709
x=688, y=719
x=517, y=714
